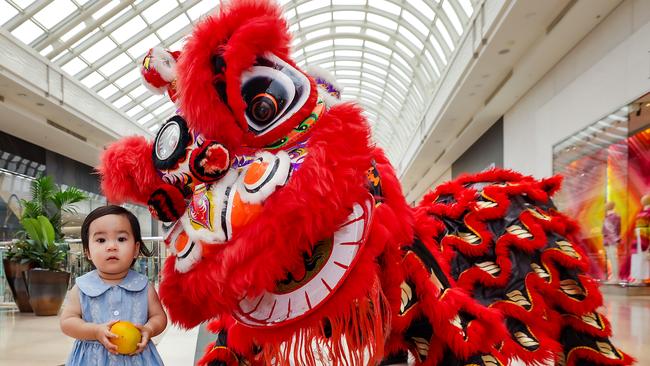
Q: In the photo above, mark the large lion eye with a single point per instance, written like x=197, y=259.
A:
x=263, y=108
x=273, y=91
x=267, y=92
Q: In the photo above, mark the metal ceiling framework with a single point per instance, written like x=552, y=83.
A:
x=387, y=54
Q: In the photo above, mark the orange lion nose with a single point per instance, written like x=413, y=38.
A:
x=243, y=212
x=181, y=242
x=255, y=172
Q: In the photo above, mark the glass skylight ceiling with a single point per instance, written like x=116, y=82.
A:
x=388, y=55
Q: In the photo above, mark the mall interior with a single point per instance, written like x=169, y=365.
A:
x=554, y=87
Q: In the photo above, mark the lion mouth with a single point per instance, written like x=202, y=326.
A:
x=305, y=289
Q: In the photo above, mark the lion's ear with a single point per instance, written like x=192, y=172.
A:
x=127, y=171
x=328, y=88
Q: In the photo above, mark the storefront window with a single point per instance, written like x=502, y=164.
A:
x=606, y=169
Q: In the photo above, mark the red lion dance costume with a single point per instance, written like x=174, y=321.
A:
x=291, y=235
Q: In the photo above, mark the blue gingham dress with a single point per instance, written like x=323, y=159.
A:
x=101, y=303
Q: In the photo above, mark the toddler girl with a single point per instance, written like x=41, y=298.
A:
x=111, y=240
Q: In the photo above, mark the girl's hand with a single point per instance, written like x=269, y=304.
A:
x=103, y=335
x=146, y=332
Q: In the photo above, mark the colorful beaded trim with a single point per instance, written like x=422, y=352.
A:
x=298, y=132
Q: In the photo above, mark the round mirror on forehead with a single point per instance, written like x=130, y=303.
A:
x=170, y=143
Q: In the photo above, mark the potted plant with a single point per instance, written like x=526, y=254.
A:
x=50, y=202
x=46, y=283
x=16, y=262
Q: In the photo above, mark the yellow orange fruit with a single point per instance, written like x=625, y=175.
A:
x=128, y=337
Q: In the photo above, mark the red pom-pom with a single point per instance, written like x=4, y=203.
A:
x=209, y=162
x=167, y=203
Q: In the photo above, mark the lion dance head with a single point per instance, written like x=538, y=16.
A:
x=268, y=188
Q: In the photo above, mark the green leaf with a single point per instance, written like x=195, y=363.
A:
x=43, y=189
x=31, y=209
x=33, y=230
x=63, y=200
x=47, y=230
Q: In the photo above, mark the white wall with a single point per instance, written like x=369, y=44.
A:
x=445, y=177
x=609, y=68
x=415, y=199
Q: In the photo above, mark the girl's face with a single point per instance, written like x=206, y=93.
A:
x=111, y=245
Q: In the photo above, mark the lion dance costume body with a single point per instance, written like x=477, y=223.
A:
x=290, y=234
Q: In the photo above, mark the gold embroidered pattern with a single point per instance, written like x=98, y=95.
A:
x=456, y=322
x=485, y=204
x=567, y=248
x=526, y=340
x=607, y=350
x=489, y=267
x=469, y=238
x=422, y=346
x=407, y=295
x=592, y=319
x=571, y=288
x=541, y=272
x=489, y=360
x=538, y=214
x=519, y=232
x=518, y=298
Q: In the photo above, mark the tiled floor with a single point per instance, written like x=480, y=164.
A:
x=28, y=340
x=630, y=318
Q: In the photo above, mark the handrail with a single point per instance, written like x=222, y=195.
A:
x=77, y=264
x=144, y=238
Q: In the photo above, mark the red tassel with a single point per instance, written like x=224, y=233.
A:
x=356, y=337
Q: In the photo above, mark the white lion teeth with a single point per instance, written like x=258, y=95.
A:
x=271, y=308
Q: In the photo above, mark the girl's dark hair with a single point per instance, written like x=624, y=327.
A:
x=113, y=210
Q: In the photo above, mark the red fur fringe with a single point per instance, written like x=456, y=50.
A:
x=596, y=358
x=127, y=171
x=220, y=353
x=358, y=332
